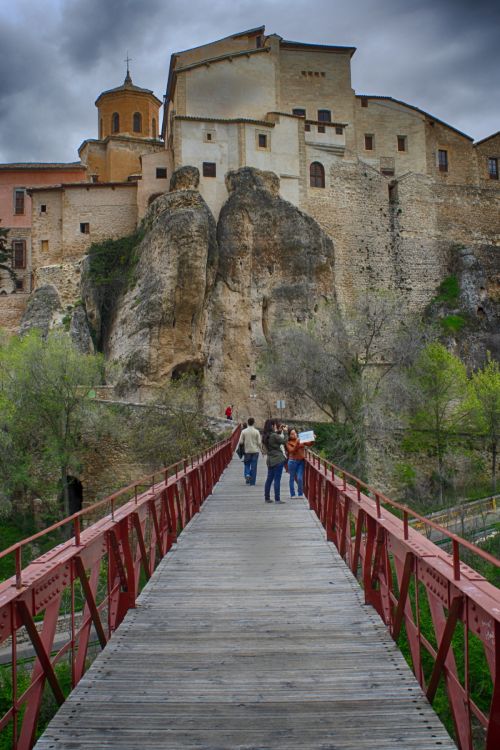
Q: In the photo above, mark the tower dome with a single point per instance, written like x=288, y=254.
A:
x=128, y=110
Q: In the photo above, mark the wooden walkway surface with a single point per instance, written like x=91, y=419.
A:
x=252, y=634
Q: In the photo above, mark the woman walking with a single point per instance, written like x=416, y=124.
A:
x=272, y=440
x=296, y=455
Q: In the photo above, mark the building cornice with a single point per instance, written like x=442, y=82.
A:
x=87, y=185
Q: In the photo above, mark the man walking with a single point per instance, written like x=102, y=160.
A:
x=252, y=444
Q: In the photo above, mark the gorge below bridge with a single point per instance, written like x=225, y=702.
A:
x=241, y=624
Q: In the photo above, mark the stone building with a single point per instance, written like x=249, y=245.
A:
x=393, y=192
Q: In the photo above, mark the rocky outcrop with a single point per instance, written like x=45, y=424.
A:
x=79, y=331
x=157, y=330
x=478, y=272
x=276, y=268
x=206, y=301
x=43, y=305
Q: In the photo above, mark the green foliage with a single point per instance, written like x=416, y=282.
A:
x=48, y=706
x=438, y=410
x=449, y=291
x=43, y=389
x=171, y=428
x=112, y=266
x=452, y=323
x=336, y=443
x=112, y=262
x=484, y=401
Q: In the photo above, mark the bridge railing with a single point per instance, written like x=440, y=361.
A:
x=91, y=580
x=448, y=613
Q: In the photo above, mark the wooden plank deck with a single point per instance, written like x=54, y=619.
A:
x=252, y=634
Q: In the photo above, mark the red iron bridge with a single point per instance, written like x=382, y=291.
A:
x=224, y=622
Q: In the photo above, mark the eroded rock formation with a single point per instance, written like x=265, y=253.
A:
x=159, y=324
x=207, y=300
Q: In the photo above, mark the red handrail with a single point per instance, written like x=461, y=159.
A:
x=104, y=565
x=394, y=564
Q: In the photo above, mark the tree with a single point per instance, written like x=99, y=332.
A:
x=438, y=383
x=342, y=368
x=172, y=427
x=44, y=388
x=484, y=394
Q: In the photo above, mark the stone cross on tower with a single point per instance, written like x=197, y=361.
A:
x=128, y=78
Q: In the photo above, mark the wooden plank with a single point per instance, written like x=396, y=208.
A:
x=252, y=633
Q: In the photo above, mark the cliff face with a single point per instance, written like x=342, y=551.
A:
x=158, y=326
x=206, y=298
x=276, y=268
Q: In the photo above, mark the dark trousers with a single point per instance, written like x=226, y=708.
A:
x=250, y=467
x=273, y=477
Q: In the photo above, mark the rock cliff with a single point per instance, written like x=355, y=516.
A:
x=158, y=327
x=206, y=298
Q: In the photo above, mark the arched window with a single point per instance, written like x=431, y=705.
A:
x=137, y=122
x=115, y=123
x=153, y=128
x=317, y=175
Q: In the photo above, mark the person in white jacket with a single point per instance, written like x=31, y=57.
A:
x=252, y=444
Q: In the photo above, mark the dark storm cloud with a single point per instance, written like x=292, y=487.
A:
x=57, y=56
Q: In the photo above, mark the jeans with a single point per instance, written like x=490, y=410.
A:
x=296, y=471
x=273, y=477
x=250, y=467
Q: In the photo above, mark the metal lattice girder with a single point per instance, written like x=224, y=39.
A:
x=110, y=552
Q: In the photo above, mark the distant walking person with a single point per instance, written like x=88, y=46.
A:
x=273, y=440
x=296, y=455
x=229, y=412
x=252, y=444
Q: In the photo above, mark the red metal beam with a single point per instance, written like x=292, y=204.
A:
x=155, y=516
x=384, y=544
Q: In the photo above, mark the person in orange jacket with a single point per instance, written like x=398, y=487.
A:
x=295, y=450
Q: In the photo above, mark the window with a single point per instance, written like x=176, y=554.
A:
x=442, y=160
x=321, y=129
x=153, y=128
x=324, y=115
x=209, y=136
x=369, y=142
x=19, y=201
x=45, y=246
x=317, y=175
x=401, y=143
x=299, y=112
x=85, y=227
x=364, y=102
x=161, y=173
x=19, y=285
x=259, y=41
x=493, y=167
x=137, y=122
x=339, y=130
x=307, y=127
x=19, y=254
x=43, y=208
x=115, y=122
x=262, y=140
x=209, y=169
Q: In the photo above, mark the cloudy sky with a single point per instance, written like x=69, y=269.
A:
x=58, y=55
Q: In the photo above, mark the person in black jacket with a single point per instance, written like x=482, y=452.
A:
x=275, y=436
